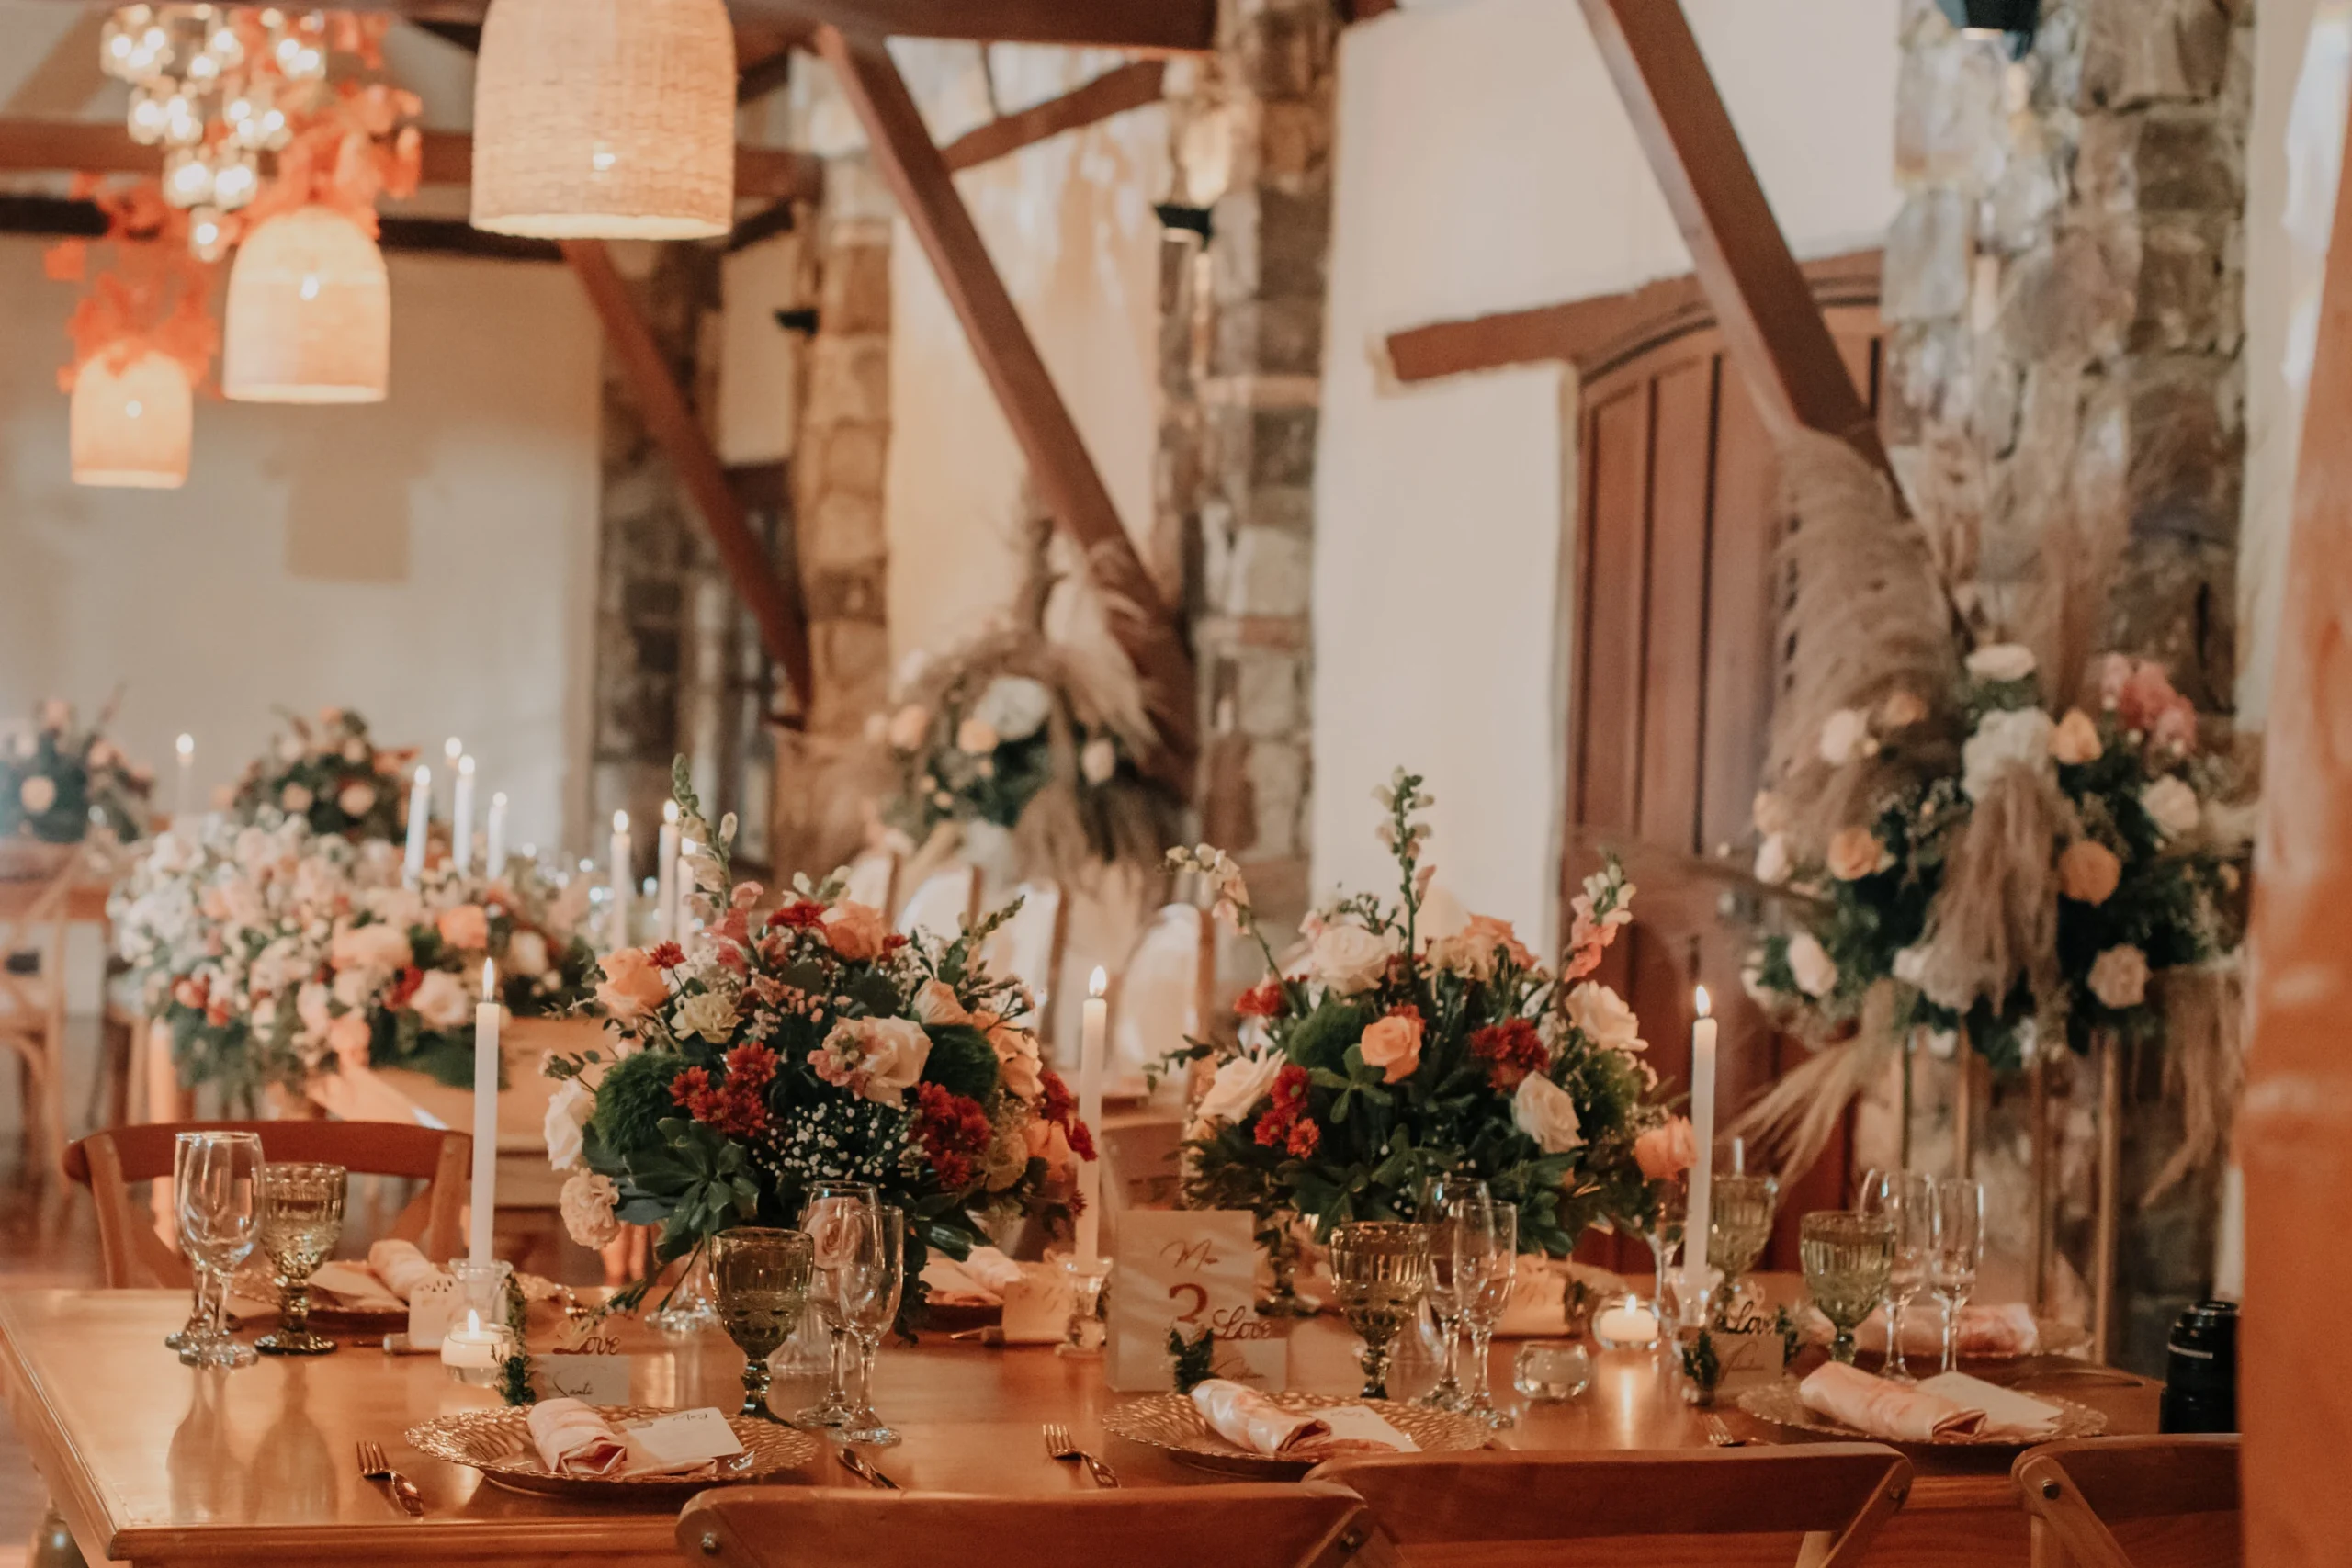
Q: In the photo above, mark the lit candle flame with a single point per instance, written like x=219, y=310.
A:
x=466, y=766
x=498, y=798
x=423, y=776
x=620, y=821
x=670, y=811
x=1098, y=981
x=453, y=747
x=186, y=744
x=489, y=981
x=1705, y=1009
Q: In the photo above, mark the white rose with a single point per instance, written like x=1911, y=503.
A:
x=440, y=999
x=1843, y=734
x=1015, y=707
x=1097, y=759
x=2171, y=806
x=891, y=1053
x=295, y=798
x=1019, y=1062
x=935, y=1003
x=2005, y=739
x=908, y=726
x=36, y=793
x=1542, y=1110
x=1815, y=971
x=568, y=1112
x=1772, y=859
x=587, y=1205
x=2002, y=661
x=377, y=947
x=356, y=799
x=311, y=1007
x=526, y=955
x=1240, y=1083
x=710, y=1014
x=2119, y=977
x=1910, y=965
x=1605, y=1019
x=1346, y=958
x=356, y=989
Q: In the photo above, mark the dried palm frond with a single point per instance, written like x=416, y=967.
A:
x=1794, y=1120
x=2065, y=611
x=2204, y=1065
x=1994, y=920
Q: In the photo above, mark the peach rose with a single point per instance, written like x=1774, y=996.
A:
x=857, y=932
x=1855, y=853
x=1393, y=1044
x=2076, y=740
x=1475, y=949
x=1667, y=1151
x=1901, y=709
x=2120, y=978
x=467, y=927
x=2088, y=872
x=632, y=986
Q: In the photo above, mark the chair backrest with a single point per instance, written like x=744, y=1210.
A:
x=1232, y=1527
x=871, y=879
x=1028, y=947
x=108, y=1162
x=1826, y=1500
x=2172, y=1500
x=943, y=903
x=1162, y=995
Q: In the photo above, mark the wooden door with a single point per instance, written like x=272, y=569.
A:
x=1673, y=672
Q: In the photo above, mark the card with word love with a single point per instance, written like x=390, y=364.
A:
x=1183, y=1271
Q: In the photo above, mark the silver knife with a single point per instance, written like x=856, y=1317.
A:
x=405, y=1493
x=857, y=1464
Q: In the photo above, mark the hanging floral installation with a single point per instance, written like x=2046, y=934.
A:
x=59, y=780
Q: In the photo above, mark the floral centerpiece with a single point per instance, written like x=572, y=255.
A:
x=58, y=779
x=273, y=951
x=1393, y=1058
x=808, y=1044
x=332, y=773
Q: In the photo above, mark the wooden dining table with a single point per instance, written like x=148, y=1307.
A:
x=153, y=1463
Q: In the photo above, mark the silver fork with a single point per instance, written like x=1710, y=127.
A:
x=373, y=1466
x=1720, y=1435
x=1060, y=1444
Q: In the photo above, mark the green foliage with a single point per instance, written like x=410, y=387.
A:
x=962, y=1061
x=1192, y=1358
x=634, y=1099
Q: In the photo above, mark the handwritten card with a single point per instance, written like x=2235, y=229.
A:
x=597, y=1379
x=1189, y=1271
x=689, y=1436
x=1748, y=1348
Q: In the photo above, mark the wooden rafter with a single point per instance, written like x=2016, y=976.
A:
x=1772, y=327
x=1059, y=465
x=775, y=608
x=57, y=217
x=1113, y=92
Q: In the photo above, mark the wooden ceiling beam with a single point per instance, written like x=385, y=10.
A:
x=58, y=217
x=1112, y=93
x=1059, y=465
x=1774, y=331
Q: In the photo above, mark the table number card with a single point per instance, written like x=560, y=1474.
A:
x=1189, y=1271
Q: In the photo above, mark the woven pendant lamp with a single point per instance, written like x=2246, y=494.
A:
x=309, y=315
x=131, y=425
x=605, y=119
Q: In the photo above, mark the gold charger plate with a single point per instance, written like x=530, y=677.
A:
x=1779, y=1405
x=498, y=1443
x=1172, y=1422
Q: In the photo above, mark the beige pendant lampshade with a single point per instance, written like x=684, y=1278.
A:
x=310, y=317
x=605, y=119
x=131, y=424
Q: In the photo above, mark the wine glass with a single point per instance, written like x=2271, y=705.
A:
x=1847, y=1256
x=1381, y=1270
x=1957, y=1249
x=830, y=1208
x=199, y=1312
x=1665, y=1246
x=1485, y=1261
x=869, y=1285
x=302, y=1220
x=1739, y=1223
x=218, y=1209
x=760, y=1278
x=1906, y=1200
x=1445, y=1202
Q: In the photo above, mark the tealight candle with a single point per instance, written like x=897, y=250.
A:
x=472, y=1348
x=1626, y=1323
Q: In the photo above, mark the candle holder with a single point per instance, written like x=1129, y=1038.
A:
x=478, y=1344
x=691, y=1307
x=1089, y=1307
x=1626, y=1322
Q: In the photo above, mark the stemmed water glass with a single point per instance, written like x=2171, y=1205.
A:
x=1485, y=1261
x=1957, y=1249
x=831, y=1208
x=1906, y=1200
x=1665, y=1246
x=1847, y=1256
x=1447, y=1202
x=1380, y=1269
x=866, y=1287
x=218, y=1210
x=760, y=1281
x=1739, y=1225
x=302, y=1220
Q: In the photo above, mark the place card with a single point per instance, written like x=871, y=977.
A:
x=1749, y=1349
x=1185, y=1270
x=432, y=1310
x=689, y=1436
x=595, y=1380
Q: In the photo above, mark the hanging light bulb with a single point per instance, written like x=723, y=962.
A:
x=235, y=181
x=224, y=46
x=309, y=313
x=188, y=179
x=203, y=69
x=131, y=426
x=147, y=118
x=183, y=123
x=606, y=118
x=207, y=237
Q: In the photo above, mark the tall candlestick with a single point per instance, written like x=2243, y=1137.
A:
x=620, y=869
x=1702, y=1170
x=666, y=923
x=1092, y=1040
x=461, y=818
x=494, y=862
x=420, y=808
x=451, y=750
x=183, y=800
x=485, y=1199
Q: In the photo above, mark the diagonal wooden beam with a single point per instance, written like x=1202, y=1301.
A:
x=1772, y=326
x=1113, y=92
x=1059, y=465
x=775, y=608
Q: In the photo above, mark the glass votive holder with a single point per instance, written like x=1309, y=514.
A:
x=1551, y=1370
x=479, y=1342
x=1626, y=1322
x=1089, y=1306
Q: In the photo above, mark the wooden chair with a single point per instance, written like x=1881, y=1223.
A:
x=33, y=920
x=1161, y=999
x=943, y=903
x=1823, y=1501
x=1233, y=1527
x=1028, y=947
x=136, y=1257
x=2172, y=1501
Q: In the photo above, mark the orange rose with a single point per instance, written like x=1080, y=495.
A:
x=466, y=927
x=2076, y=740
x=1667, y=1151
x=632, y=986
x=1855, y=853
x=2088, y=872
x=1393, y=1044
x=857, y=932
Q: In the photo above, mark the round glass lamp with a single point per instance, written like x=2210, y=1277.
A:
x=131, y=423
x=605, y=119
x=310, y=317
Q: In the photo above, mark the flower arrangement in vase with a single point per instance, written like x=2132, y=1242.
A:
x=59, y=780
x=330, y=774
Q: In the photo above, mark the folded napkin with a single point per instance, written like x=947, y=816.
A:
x=1988, y=1333
x=1247, y=1418
x=574, y=1439
x=354, y=1286
x=980, y=1280
x=401, y=1267
x=2007, y=1413
x=1538, y=1307
x=1903, y=1413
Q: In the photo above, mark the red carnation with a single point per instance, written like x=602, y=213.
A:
x=737, y=1106
x=1513, y=1049
x=667, y=956
x=801, y=914
x=954, y=1133
x=404, y=987
x=1058, y=1106
x=1265, y=999
x=1286, y=1125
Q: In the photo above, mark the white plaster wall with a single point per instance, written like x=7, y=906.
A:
x=1485, y=164
x=429, y=561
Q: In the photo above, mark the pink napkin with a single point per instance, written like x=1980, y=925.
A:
x=1902, y=1412
x=572, y=1440
x=1243, y=1417
x=1985, y=1331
